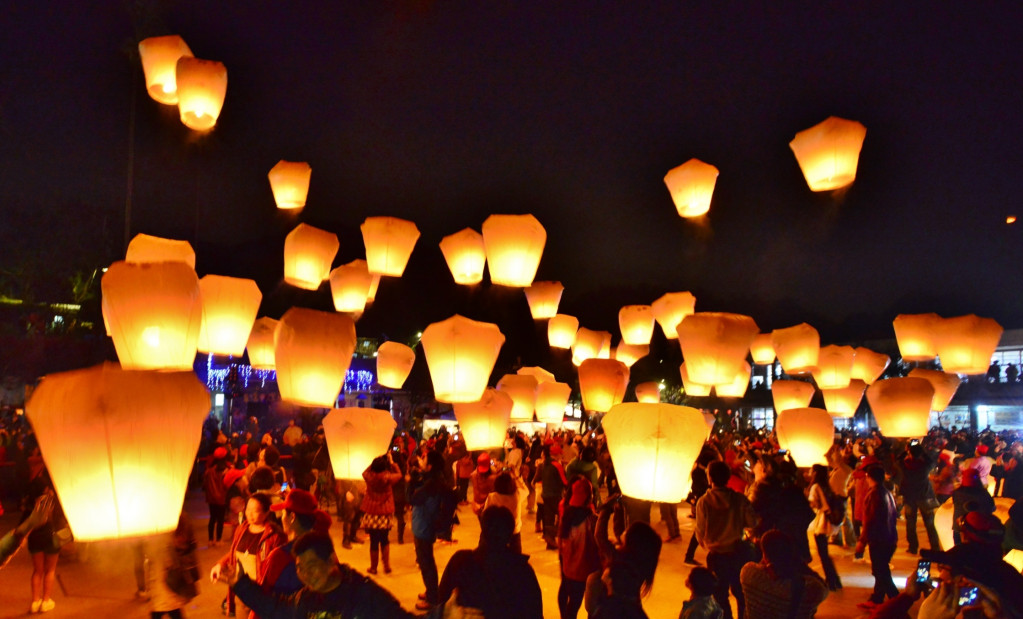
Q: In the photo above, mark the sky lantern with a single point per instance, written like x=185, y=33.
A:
x=543, y=299
x=229, y=307
x=648, y=392
x=464, y=253
x=711, y=420
x=636, y=323
x=484, y=423
x=349, y=286
x=714, y=345
x=829, y=152
x=587, y=345
x=692, y=185
x=965, y=344
x=522, y=389
x=514, y=245
x=762, y=350
x=144, y=249
x=389, y=242
x=630, y=354
x=791, y=394
x=797, y=348
x=119, y=446
x=602, y=383
x=945, y=386
x=374, y=285
x=460, y=354
x=869, y=365
x=154, y=312
x=561, y=331
x=394, y=363
x=261, y=344
x=915, y=335
x=834, y=367
x=355, y=436
x=605, y=345
x=901, y=406
x=312, y=351
x=159, y=56
x=541, y=375
x=691, y=387
x=807, y=433
x=202, y=86
x=308, y=253
x=650, y=444
x=736, y=388
x=842, y=403
x=670, y=309
x=289, y=182
x=551, y=400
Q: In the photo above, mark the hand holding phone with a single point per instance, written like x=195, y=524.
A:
x=923, y=573
x=968, y=596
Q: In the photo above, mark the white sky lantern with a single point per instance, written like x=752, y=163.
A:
x=312, y=352
x=869, y=365
x=543, y=299
x=202, y=86
x=349, y=286
x=602, y=383
x=460, y=354
x=649, y=392
x=119, y=446
x=261, y=344
x=762, y=350
x=965, y=344
x=308, y=254
x=144, y=249
x=636, y=323
x=389, y=243
x=394, y=363
x=901, y=406
x=522, y=389
x=797, y=348
x=229, y=307
x=514, y=245
x=551, y=400
x=945, y=386
x=711, y=420
x=714, y=345
x=915, y=335
x=690, y=386
x=670, y=309
x=159, y=56
x=466, y=258
x=791, y=394
x=650, y=444
x=587, y=345
x=692, y=186
x=355, y=436
x=154, y=312
x=737, y=388
x=561, y=331
x=373, y=286
x=807, y=433
x=484, y=423
x=289, y=182
x=630, y=354
x=541, y=375
x=834, y=367
x=828, y=153
x=842, y=403
x=605, y=345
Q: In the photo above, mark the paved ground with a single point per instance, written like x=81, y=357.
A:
x=100, y=582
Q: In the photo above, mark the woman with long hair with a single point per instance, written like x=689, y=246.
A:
x=781, y=585
x=378, y=508
x=821, y=526
x=44, y=542
x=578, y=555
x=254, y=538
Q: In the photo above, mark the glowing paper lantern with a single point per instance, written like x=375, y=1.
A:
x=902, y=406
x=202, y=86
x=869, y=365
x=714, y=345
x=636, y=323
x=587, y=345
x=711, y=420
x=389, y=242
x=602, y=383
x=312, y=351
x=829, y=152
x=461, y=354
x=463, y=251
x=965, y=344
x=648, y=392
x=514, y=245
x=842, y=403
x=762, y=350
x=155, y=313
x=349, y=286
x=289, y=182
x=797, y=348
x=561, y=331
x=394, y=363
x=691, y=387
x=791, y=394
x=522, y=389
x=119, y=446
x=373, y=286
x=308, y=253
x=484, y=423
x=261, y=344
x=144, y=249
x=543, y=299
x=541, y=375
x=551, y=400
x=229, y=307
x=915, y=335
x=630, y=354
x=650, y=444
x=671, y=309
x=692, y=185
x=834, y=367
x=945, y=386
x=736, y=388
x=605, y=345
x=159, y=56
x=355, y=436
x=807, y=433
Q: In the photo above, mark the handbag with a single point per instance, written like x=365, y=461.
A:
x=62, y=536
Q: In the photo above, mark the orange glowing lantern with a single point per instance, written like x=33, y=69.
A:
x=514, y=245
x=945, y=386
x=522, y=389
x=144, y=249
x=736, y=388
x=229, y=307
x=915, y=335
x=649, y=392
x=650, y=444
x=159, y=56
x=842, y=403
x=551, y=400
x=543, y=299
x=464, y=253
x=261, y=344
x=692, y=185
x=605, y=345
x=829, y=152
x=373, y=286
x=630, y=354
x=965, y=344
x=308, y=252
x=714, y=345
x=869, y=365
x=202, y=86
x=671, y=309
x=637, y=324
x=692, y=388
x=389, y=242
x=460, y=354
x=807, y=433
x=289, y=182
x=561, y=331
x=355, y=436
x=791, y=394
x=902, y=406
x=587, y=345
x=602, y=383
x=119, y=446
x=762, y=350
x=349, y=286
x=797, y=348
x=711, y=420
x=312, y=352
x=484, y=423
x=394, y=363
x=541, y=375
x=834, y=367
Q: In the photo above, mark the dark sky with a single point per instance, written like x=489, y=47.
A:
x=446, y=112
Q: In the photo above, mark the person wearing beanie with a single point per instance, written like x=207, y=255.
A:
x=482, y=482
x=981, y=463
x=300, y=514
x=578, y=554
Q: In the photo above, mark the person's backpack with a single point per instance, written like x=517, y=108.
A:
x=836, y=508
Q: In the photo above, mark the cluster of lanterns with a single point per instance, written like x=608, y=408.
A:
x=175, y=77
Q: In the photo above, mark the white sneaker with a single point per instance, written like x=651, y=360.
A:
x=47, y=606
x=36, y=604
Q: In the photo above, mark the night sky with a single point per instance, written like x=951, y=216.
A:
x=446, y=112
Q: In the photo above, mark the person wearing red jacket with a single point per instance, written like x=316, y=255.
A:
x=253, y=541
x=299, y=514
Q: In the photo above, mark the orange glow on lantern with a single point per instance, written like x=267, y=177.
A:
x=394, y=363
x=289, y=182
x=261, y=344
x=561, y=331
x=349, y=286
x=630, y=354
x=144, y=249
x=541, y=375
x=714, y=345
x=637, y=324
x=869, y=365
x=711, y=420
x=202, y=86
x=373, y=286
x=945, y=386
x=312, y=352
x=901, y=406
x=691, y=186
x=736, y=388
x=308, y=253
x=389, y=242
x=543, y=299
x=965, y=344
x=692, y=388
x=915, y=335
x=159, y=56
x=551, y=400
x=671, y=309
x=229, y=307
x=355, y=436
x=587, y=345
x=842, y=403
x=797, y=348
x=514, y=245
x=762, y=350
x=834, y=367
x=791, y=394
x=602, y=383
x=460, y=354
x=464, y=253
x=649, y=392
x=807, y=433
x=484, y=423
x=522, y=389
x=605, y=345
x=829, y=152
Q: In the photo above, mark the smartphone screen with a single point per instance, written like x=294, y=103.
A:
x=967, y=596
x=923, y=571
x=284, y=487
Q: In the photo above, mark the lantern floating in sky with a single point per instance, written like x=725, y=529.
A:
x=829, y=152
x=289, y=182
x=119, y=446
x=692, y=185
x=636, y=323
x=807, y=433
x=915, y=335
x=484, y=423
x=394, y=363
x=650, y=444
x=791, y=394
x=202, y=86
x=522, y=389
x=463, y=251
x=711, y=420
x=312, y=352
x=159, y=56
x=834, y=367
x=602, y=383
x=842, y=403
x=869, y=365
x=671, y=309
x=374, y=285
x=389, y=242
x=945, y=386
x=543, y=299
x=541, y=375
x=587, y=345
x=605, y=345
x=762, y=350
x=901, y=406
x=561, y=331
x=514, y=245
x=308, y=253
x=965, y=344
x=648, y=392
x=144, y=249
x=460, y=354
x=349, y=286
x=714, y=345
x=355, y=436
x=229, y=307
x=691, y=387
x=797, y=348
x=551, y=400
x=630, y=354
x=261, y=344
x=736, y=388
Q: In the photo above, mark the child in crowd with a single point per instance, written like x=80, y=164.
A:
x=701, y=605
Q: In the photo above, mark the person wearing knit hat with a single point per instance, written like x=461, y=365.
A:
x=981, y=462
x=300, y=514
x=482, y=482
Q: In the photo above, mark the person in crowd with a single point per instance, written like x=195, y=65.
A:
x=840, y=462
x=482, y=481
x=464, y=467
x=237, y=496
x=781, y=585
x=640, y=550
x=578, y=554
x=216, y=495
x=40, y=514
x=399, y=492
x=980, y=462
x=969, y=496
x=349, y=511
x=918, y=495
x=44, y=542
x=553, y=482
x=300, y=514
x=585, y=466
x=253, y=541
x=859, y=488
x=509, y=492
x=173, y=576
x=292, y=435
x=378, y=509
x=701, y=603
x=880, y=534
x=1012, y=459
x=427, y=487
x=822, y=528
x=779, y=503
x=700, y=485
x=943, y=477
